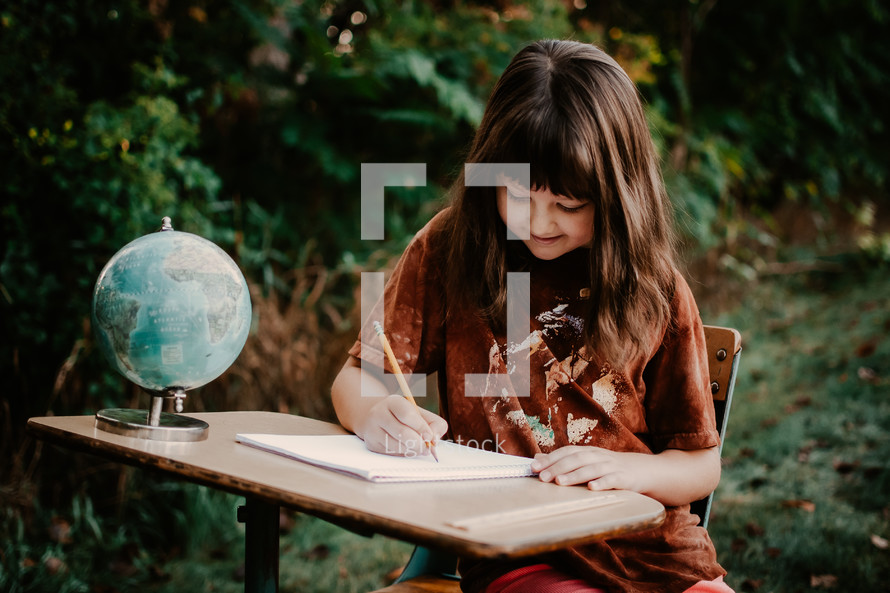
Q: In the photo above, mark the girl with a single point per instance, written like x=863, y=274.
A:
x=616, y=393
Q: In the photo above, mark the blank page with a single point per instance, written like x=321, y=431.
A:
x=347, y=453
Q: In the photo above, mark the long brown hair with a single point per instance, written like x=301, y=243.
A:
x=572, y=113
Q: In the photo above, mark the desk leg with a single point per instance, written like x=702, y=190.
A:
x=260, y=546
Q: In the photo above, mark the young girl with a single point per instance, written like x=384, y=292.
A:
x=616, y=393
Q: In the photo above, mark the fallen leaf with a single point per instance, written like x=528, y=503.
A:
x=53, y=565
x=801, y=402
x=866, y=349
x=823, y=581
x=757, y=482
x=739, y=544
x=803, y=504
x=867, y=374
x=753, y=529
x=844, y=467
x=879, y=542
x=872, y=472
x=773, y=552
x=59, y=530
x=752, y=584
x=319, y=552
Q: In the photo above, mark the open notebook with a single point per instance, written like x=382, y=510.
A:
x=347, y=453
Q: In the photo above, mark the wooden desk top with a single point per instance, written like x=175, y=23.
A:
x=416, y=512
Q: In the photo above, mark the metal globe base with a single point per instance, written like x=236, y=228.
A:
x=153, y=425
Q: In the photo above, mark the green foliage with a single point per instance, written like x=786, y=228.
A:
x=763, y=104
x=95, y=153
x=84, y=548
x=809, y=94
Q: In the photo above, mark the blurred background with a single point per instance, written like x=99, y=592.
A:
x=247, y=121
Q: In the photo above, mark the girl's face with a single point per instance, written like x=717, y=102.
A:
x=549, y=225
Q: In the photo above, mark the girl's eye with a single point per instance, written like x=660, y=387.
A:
x=570, y=209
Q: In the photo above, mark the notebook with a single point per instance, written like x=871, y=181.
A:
x=348, y=454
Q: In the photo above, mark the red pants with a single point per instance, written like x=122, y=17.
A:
x=543, y=578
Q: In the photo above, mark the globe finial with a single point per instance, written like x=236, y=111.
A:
x=166, y=224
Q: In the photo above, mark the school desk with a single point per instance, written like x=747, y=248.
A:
x=421, y=513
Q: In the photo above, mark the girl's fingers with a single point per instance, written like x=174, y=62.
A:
x=404, y=429
x=409, y=415
x=577, y=465
x=545, y=460
x=606, y=482
x=565, y=459
x=395, y=440
x=436, y=423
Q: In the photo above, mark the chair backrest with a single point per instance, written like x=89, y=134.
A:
x=724, y=348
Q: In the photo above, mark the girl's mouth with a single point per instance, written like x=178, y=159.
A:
x=544, y=240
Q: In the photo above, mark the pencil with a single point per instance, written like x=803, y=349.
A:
x=406, y=391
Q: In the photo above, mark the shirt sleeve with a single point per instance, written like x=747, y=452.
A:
x=679, y=407
x=411, y=312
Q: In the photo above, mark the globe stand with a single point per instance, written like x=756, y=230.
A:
x=154, y=424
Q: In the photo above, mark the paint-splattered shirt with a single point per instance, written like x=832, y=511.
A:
x=661, y=400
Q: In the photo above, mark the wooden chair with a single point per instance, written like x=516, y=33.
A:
x=432, y=571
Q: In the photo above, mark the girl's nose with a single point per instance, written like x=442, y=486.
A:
x=540, y=222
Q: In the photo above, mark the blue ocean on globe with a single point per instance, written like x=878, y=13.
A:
x=171, y=311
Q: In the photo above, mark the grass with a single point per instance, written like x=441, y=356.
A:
x=315, y=557
x=803, y=505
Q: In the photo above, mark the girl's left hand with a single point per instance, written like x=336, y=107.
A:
x=601, y=469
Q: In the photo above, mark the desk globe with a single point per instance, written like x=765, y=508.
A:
x=171, y=312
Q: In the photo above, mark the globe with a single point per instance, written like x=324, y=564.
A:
x=171, y=312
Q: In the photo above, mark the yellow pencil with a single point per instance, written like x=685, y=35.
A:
x=406, y=391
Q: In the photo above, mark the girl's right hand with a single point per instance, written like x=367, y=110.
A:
x=395, y=426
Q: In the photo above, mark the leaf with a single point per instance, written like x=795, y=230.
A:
x=53, y=565
x=879, y=542
x=60, y=530
x=319, y=552
x=866, y=349
x=844, y=467
x=867, y=374
x=823, y=581
x=803, y=504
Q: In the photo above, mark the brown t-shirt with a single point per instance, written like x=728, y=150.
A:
x=661, y=400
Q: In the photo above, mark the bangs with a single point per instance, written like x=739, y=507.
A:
x=560, y=153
